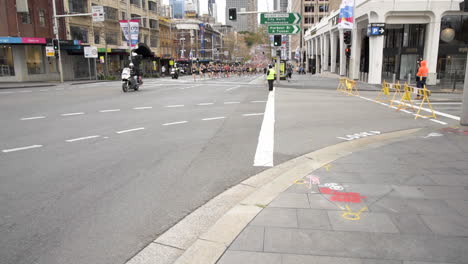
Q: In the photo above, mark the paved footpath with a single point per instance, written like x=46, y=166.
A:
x=402, y=202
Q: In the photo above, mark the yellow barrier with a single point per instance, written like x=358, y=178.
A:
x=341, y=85
x=425, y=94
x=384, y=95
x=351, y=88
x=406, y=97
x=397, y=88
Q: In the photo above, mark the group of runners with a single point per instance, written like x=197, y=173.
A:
x=213, y=71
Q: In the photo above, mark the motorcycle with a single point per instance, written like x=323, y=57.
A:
x=174, y=73
x=129, y=81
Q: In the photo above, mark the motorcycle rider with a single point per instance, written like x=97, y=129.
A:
x=134, y=71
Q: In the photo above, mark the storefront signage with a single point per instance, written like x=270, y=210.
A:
x=16, y=40
x=90, y=52
x=101, y=58
x=376, y=29
x=50, y=52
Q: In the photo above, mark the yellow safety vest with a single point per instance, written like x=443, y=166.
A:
x=271, y=74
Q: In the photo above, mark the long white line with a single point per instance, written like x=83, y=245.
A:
x=142, y=107
x=109, y=110
x=81, y=138
x=27, y=91
x=258, y=101
x=437, y=112
x=6, y=92
x=253, y=114
x=437, y=121
x=446, y=103
x=213, y=118
x=201, y=104
x=174, y=123
x=32, y=118
x=22, y=148
x=130, y=130
x=266, y=139
x=172, y=106
x=231, y=102
x=73, y=114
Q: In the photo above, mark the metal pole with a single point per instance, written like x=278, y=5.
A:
x=95, y=69
x=278, y=59
x=56, y=29
x=464, y=116
x=129, y=35
x=89, y=69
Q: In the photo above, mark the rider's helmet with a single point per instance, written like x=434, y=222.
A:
x=131, y=65
x=270, y=66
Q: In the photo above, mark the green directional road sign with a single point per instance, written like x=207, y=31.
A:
x=280, y=18
x=283, y=29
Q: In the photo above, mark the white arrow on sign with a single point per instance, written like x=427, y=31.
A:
x=296, y=29
x=382, y=31
x=296, y=18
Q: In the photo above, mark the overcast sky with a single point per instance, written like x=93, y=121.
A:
x=263, y=5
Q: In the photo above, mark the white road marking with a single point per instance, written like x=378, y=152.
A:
x=437, y=121
x=213, y=118
x=27, y=91
x=266, y=139
x=172, y=106
x=201, y=104
x=73, y=114
x=43, y=90
x=258, y=101
x=130, y=130
x=405, y=111
x=21, y=148
x=174, y=123
x=109, y=110
x=436, y=112
x=6, y=92
x=82, y=138
x=425, y=117
x=254, y=114
x=232, y=88
x=446, y=103
x=231, y=102
x=142, y=107
x=33, y=117
x=59, y=89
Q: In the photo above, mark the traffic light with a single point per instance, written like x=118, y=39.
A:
x=347, y=37
x=233, y=14
x=55, y=43
x=277, y=40
x=348, y=51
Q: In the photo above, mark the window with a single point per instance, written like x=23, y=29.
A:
x=152, y=6
x=124, y=16
x=78, y=6
x=144, y=22
x=308, y=8
x=154, y=41
x=35, y=59
x=79, y=33
x=143, y=4
x=323, y=8
x=111, y=38
x=111, y=13
x=135, y=2
x=153, y=23
x=42, y=20
x=97, y=36
x=7, y=67
x=146, y=40
x=26, y=18
x=309, y=20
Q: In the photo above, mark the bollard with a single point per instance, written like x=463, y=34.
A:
x=394, y=78
x=409, y=78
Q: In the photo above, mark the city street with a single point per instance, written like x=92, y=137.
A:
x=92, y=175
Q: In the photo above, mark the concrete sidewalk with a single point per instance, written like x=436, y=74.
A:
x=404, y=202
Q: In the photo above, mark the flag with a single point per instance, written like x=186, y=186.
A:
x=134, y=28
x=346, y=17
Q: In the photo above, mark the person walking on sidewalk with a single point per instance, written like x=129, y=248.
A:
x=270, y=77
x=421, y=76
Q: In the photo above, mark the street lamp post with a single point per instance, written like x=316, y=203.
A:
x=56, y=31
x=129, y=35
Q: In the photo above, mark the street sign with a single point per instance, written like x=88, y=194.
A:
x=226, y=53
x=50, y=52
x=98, y=13
x=90, y=52
x=375, y=29
x=280, y=18
x=283, y=29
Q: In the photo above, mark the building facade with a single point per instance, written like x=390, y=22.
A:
x=178, y=8
x=25, y=31
x=247, y=22
x=436, y=31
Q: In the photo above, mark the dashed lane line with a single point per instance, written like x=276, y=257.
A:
x=213, y=118
x=27, y=91
x=232, y=88
x=109, y=110
x=258, y=102
x=32, y=118
x=142, y=107
x=231, y=102
x=6, y=92
x=173, y=106
x=130, y=130
x=174, y=123
x=253, y=114
x=202, y=104
x=73, y=114
x=82, y=138
x=21, y=148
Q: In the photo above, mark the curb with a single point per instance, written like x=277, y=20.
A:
x=28, y=86
x=204, y=235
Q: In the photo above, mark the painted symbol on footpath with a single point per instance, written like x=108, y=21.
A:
x=346, y=197
x=334, y=186
x=433, y=135
x=312, y=180
x=360, y=135
x=350, y=215
x=327, y=167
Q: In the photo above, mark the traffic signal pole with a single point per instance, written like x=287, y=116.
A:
x=464, y=116
x=56, y=31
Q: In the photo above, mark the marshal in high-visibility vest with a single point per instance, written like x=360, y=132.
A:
x=271, y=77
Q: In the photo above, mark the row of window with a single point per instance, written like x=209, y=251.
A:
x=81, y=6
x=110, y=37
x=28, y=18
x=311, y=8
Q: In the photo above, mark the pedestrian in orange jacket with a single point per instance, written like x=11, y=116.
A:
x=421, y=76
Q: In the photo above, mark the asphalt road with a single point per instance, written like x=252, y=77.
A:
x=92, y=175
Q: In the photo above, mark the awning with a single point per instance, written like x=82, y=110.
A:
x=144, y=50
x=187, y=26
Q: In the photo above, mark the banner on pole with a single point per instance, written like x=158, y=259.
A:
x=346, y=18
x=134, y=29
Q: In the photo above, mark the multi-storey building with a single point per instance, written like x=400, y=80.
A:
x=244, y=22
x=312, y=12
x=25, y=30
x=178, y=8
x=166, y=11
